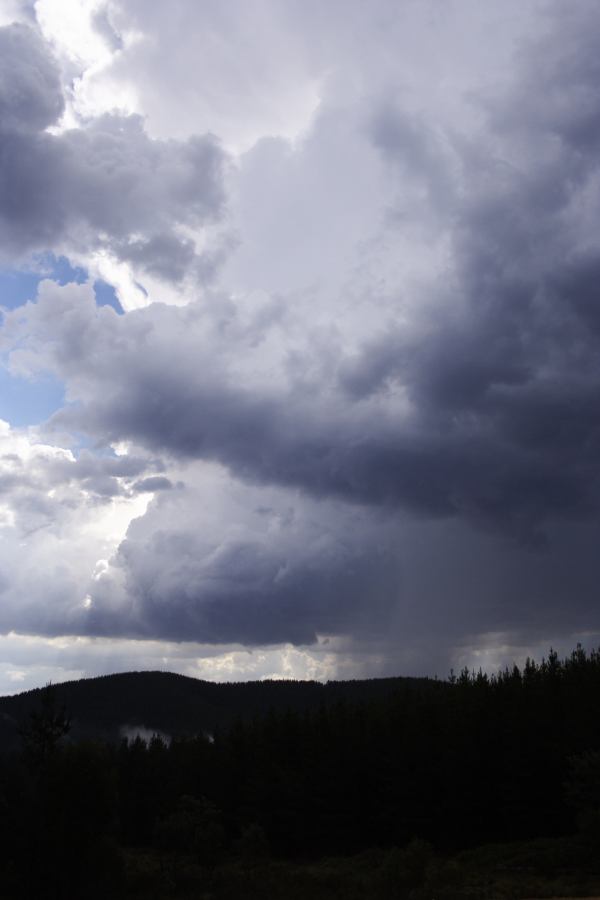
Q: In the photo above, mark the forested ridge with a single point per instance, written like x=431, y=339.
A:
x=178, y=705
x=399, y=792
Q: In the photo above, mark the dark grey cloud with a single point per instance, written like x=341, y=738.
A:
x=501, y=371
x=416, y=151
x=153, y=483
x=163, y=255
x=562, y=63
x=498, y=424
x=104, y=186
x=30, y=89
x=249, y=574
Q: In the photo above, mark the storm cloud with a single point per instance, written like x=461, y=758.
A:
x=367, y=409
x=481, y=404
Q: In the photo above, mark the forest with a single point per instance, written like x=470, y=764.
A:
x=475, y=786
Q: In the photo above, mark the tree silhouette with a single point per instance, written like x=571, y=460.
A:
x=45, y=727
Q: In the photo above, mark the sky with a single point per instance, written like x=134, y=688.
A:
x=299, y=336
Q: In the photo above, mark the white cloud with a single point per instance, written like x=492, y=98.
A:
x=74, y=30
x=14, y=11
x=58, y=522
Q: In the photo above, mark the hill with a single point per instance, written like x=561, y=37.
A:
x=113, y=706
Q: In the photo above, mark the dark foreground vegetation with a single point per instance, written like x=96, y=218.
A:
x=472, y=787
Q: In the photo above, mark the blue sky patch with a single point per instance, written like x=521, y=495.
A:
x=106, y=296
x=24, y=402
x=17, y=286
x=60, y=269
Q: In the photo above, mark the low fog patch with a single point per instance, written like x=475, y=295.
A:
x=132, y=732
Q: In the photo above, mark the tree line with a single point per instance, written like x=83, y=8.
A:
x=471, y=760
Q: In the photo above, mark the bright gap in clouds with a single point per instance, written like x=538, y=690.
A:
x=65, y=659
x=28, y=661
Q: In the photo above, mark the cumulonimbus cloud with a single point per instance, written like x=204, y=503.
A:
x=468, y=396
